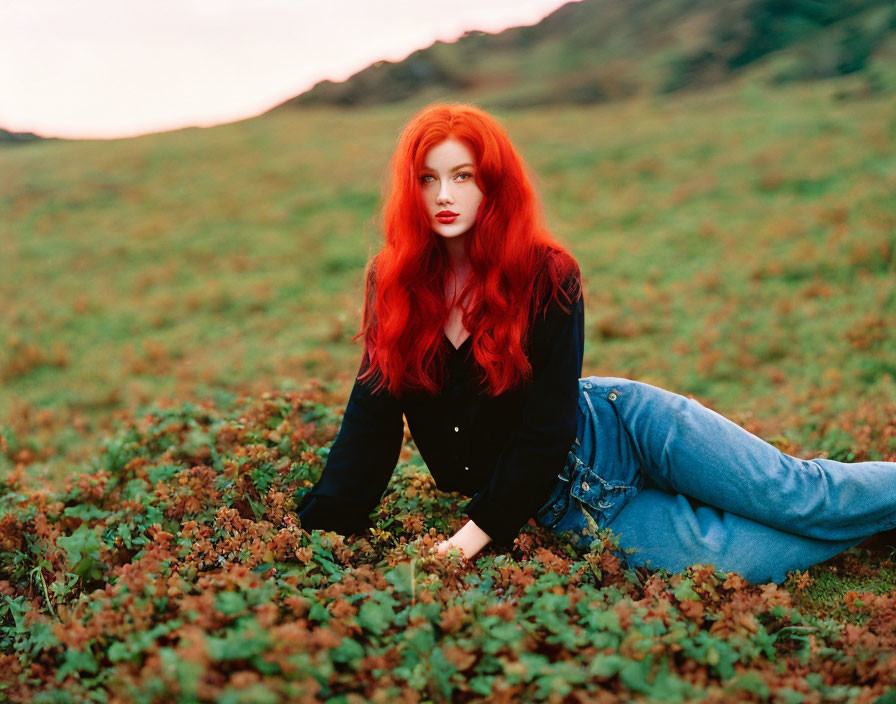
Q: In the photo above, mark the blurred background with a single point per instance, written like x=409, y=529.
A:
x=189, y=193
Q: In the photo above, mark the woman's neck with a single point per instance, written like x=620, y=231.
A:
x=457, y=257
x=458, y=270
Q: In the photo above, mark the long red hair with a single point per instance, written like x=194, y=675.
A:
x=509, y=248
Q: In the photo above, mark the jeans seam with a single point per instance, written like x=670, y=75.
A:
x=636, y=450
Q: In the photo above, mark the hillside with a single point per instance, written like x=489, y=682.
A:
x=7, y=137
x=744, y=228
x=600, y=50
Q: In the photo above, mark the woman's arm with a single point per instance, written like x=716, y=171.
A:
x=359, y=466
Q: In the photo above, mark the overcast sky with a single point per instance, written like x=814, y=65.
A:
x=118, y=68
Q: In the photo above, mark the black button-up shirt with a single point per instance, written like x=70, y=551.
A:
x=505, y=452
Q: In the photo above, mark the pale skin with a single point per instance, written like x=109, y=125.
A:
x=448, y=184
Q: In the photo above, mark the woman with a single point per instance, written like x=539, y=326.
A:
x=473, y=326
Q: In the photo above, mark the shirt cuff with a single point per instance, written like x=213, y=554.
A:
x=319, y=512
x=498, y=528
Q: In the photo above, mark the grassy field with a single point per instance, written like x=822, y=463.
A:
x=738, y=245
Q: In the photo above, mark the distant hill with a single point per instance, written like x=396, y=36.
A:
x=599, y=50
x=7, y=137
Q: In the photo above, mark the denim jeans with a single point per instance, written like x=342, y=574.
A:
x=683, y=485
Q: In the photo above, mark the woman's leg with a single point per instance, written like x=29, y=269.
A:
x=683, y=447
x=673, y=532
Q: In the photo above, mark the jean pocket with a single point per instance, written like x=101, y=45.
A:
x=601, y=498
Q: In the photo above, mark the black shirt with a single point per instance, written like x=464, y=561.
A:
x=504, y=451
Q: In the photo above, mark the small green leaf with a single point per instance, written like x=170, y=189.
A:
x=606, y=666
x=83, y=550
x=482, y=684
x=684, y=591
x=348, y=651
x=375, y=617
x=85, y=512
x=77, y=661
x=230, y=603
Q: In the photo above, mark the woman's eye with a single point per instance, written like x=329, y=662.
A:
x=463, y=176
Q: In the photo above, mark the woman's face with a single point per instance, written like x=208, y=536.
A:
x=448, y=183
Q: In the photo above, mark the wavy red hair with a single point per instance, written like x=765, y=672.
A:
x=509, y=248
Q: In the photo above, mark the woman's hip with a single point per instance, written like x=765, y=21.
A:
x=602, y=471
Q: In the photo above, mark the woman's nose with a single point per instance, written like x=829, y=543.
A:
x=444, y=195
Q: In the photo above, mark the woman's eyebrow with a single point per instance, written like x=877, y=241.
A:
x=461, y=166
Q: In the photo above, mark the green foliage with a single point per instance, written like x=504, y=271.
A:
x=151, y=589
x=376, y=615
x=244, y=641
x=83, y=550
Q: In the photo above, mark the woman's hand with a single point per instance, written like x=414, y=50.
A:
x=470, y=539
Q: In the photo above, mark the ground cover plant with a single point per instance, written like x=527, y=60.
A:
x=176, y=571
x=169, y=302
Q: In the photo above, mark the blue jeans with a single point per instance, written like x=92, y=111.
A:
x=683, y=485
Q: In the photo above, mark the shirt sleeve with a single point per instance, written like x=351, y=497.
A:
x=538, y=449
x=359, y=466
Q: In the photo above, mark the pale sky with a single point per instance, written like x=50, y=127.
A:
x=119, y=68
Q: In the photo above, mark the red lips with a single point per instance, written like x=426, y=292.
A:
x=447, y=214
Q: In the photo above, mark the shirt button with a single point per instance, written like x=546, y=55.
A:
x=456, y=429
x=585, y=486
x=587, y=385
x=612, y=395
x=467, y=468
